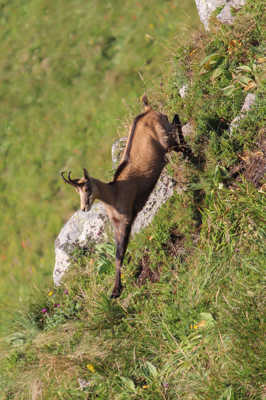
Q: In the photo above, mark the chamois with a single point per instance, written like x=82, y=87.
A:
x=150, y=138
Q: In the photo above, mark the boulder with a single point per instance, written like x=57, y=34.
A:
x=81, y=229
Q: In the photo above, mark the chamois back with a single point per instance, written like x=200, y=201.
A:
x=126, y=154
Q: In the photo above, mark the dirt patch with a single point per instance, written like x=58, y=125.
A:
x=252, y=164
x=145, y=273
x=175, y=245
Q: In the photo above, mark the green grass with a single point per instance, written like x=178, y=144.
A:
x=197, y=332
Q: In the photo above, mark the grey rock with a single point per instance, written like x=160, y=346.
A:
x=183, y=90
x=225, y=16
x=187, y=129
x=249, y=101
x=163, y=190
x=117, y=150
x=207, y=7
x=80, y=229
x=83, y=384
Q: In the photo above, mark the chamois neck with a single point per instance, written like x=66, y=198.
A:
x=103, y=191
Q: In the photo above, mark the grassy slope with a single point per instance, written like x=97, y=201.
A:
x=197, y=333
x=68, y=76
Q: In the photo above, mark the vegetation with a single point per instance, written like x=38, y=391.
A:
x=189, y=323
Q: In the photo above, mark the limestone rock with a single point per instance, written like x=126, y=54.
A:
x=225, y=16
x=207, y=7
x=249, y=101
x=163, y=190
x=117, y=150
x=80, y=229
x=183, y=90
x=188, y=129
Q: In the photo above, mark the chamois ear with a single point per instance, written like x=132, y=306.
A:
x=86, y=175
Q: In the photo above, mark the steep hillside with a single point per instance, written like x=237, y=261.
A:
x=69, y=74
x=190, y=322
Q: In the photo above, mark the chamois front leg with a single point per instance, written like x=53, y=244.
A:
x=183, y=147
x=122, y=238
x=174, y=142
x=176, y=124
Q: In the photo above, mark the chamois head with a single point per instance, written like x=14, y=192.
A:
x=83, y=187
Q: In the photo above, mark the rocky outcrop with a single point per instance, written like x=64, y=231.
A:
x=207, y=7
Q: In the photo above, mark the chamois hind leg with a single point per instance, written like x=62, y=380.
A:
x=122, y=239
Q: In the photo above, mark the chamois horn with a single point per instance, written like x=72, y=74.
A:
x=69, y=180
